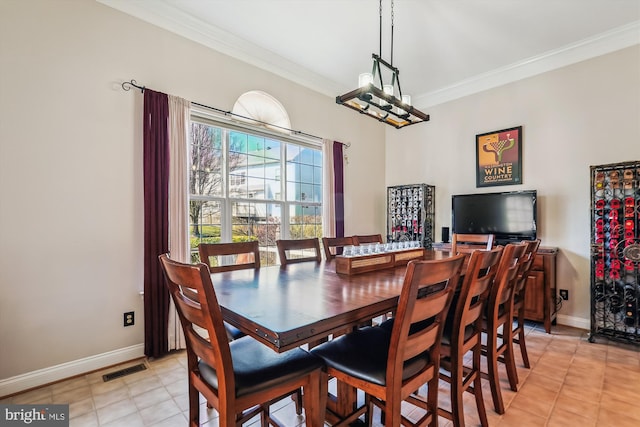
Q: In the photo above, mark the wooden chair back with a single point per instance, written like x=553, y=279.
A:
x=527, y=264
x=245, y=255
x=299, y=250
x=503, y=289
x=369, y=238
x=467, y=243
x=498, y=322
x=197, y=306
x=331, y=245
x=518, y=332
x=463, y=334
x=210, y=365
x=390, y=368
x=424, y=302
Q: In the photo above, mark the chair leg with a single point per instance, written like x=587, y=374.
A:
x=509, y=357
x=432, y=400
x=457, y=377
x=477, y=386
x=297, y=398
x=492, y=366
x=521, y=341
x=194, y=406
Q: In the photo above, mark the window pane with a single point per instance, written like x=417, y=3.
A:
x=205, y=224
x=255, y=166
x=305, y=221
x=256, y=145
x=238, y=142
x=205, y=176
x=293, y=152
x=317, y=175
x=301, y=173
x=272, y=189
x=272, y=149
x=238, y=186
x=317, y=194
x=258, y=221
x=256, y=189
x=317, y=158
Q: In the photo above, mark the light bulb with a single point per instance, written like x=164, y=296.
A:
x=406, y=99
x=365, y=79
x=388, y=89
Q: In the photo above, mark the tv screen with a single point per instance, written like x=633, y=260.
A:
x=510, y=216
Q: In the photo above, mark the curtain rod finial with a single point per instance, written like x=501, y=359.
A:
x=127, y=86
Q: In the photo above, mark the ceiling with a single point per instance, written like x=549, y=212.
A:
x=444, y=49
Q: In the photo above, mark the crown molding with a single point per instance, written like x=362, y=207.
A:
x=601, y=44
x=168, y=17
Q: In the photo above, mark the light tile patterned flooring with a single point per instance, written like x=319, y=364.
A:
x=571, y=383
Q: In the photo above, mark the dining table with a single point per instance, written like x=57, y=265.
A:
x=305, y=303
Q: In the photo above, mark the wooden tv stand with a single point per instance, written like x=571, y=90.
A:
x=540, y=298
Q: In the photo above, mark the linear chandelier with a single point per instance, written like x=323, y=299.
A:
x=378, y=100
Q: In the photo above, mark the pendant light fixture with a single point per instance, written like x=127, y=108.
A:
x=382, y=101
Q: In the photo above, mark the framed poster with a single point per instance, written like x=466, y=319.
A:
x=499, y=157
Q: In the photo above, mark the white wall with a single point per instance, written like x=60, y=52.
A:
x=71, y=210
x=71, y=181
x=581, y=115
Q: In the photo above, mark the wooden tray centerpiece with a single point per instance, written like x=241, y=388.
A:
x=362, y=263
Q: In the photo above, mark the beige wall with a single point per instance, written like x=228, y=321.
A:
x=581, y=115
x=71, y=218
x=71, y=183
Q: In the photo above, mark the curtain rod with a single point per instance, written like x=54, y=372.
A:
x=128, y=85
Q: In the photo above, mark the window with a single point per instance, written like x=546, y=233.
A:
x=245, y=185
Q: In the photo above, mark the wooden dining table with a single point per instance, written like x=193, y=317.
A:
x=287, y=307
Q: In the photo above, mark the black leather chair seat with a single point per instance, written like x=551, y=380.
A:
x=363, y=354
x=232, y=332
x=257, y=367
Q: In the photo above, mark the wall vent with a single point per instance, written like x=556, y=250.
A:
x=122, y=372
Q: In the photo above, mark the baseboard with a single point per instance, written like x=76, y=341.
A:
x=576, y=322
x=55, y=373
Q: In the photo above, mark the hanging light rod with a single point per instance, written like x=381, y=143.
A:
x=378, y=101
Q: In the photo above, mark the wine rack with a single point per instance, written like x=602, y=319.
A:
x=411, y=213
x=615, y=251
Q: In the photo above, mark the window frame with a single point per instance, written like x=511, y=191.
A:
x=208, y=118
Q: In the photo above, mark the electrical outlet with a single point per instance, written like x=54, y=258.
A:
x=129, y=318
x=564, y=294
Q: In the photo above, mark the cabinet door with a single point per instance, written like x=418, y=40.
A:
x=534, y=296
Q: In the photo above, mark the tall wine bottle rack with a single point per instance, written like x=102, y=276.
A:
x=615, y=251
x=411, y=213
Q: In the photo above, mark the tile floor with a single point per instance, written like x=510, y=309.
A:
x=571, y=383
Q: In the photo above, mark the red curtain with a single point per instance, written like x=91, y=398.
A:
x=338, y=170
x=156, y=221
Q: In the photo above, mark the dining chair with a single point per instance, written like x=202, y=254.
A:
x=463, y=334
x=239, y=378
x=518, y=332
x=332, y=245
x=497, y=322
x=467, y=243
x=369, y=238
x=389, y=365
x=298, y=250
x=242, y=254
x=245, y=255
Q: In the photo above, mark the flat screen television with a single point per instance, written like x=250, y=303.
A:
x=510, y=216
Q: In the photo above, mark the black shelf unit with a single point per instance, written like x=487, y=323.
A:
x=411, y=213
x=615, y=252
